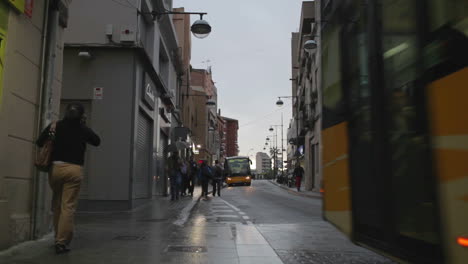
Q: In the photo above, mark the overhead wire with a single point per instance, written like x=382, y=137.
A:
x=265, y=116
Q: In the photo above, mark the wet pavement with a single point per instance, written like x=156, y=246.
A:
x=258, y=224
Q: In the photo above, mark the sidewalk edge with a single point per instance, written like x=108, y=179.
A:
x=315, y=196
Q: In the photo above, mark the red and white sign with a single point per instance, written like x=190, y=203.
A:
x=28, y=7
x=98, y=93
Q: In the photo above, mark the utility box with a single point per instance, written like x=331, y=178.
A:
x=128, y=34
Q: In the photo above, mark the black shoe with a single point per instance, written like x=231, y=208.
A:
x=61, y=249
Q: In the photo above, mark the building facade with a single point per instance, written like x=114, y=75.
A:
x=125, y=68
x=263, y=163
x=31, y=48
x=231, y=129
x=305, y=128
x=205, y=120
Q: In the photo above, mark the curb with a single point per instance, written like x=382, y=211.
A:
x=315, y=196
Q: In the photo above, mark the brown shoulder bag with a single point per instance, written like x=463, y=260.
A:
x=44, y=155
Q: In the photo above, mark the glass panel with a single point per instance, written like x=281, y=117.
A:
x=365, y=192
x=333, y=100
x=411, y=173
x=453, y=12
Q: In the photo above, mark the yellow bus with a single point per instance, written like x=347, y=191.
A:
x=237, y=171
x=395, y=126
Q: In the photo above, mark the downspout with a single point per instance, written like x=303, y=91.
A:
x=49, y=40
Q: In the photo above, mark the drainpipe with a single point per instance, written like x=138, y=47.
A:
x=49, y=42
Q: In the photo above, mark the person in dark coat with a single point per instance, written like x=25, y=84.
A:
x=192, y=175
x=70, y=138
x=217, y=178
x=174, y=165
x=204, y=176
x=298, y=173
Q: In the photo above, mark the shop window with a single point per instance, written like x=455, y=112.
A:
x=333, y=100
x=453, y=12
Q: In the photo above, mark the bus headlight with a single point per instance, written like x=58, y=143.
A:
x=228, y=179
x=247, y=178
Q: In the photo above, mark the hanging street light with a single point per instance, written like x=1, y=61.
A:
x=279, y=102
x=310, y=45
x=200, y=28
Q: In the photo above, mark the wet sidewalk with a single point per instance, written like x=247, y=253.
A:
x=192, y=230
x=293, y=190
x=113, y=237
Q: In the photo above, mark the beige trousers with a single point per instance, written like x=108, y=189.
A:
x=65, y=181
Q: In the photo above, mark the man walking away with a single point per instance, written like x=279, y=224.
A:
x=66, y=175
x=204, y=176
x=193, y=170
x=217, y=178
x=298, y=173
x=184, y=173
x=173, y=168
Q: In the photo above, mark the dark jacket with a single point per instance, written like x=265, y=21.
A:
x=298, y=172
x=205, y=173
x=218, y=172
x=70, y=141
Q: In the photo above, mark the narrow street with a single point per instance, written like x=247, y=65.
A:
x=258, y=224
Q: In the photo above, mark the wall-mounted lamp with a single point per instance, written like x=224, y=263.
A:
x=310, y=45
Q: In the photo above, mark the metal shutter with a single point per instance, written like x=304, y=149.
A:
x=143, y=157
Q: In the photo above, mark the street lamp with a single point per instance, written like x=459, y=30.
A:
x=200, y=28
x=310, y=45
x=279, y=102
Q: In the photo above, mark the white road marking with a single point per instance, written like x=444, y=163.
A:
x=185, y=213
x=232, y=206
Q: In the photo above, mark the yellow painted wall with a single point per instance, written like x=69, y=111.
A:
x=17, y=4
x=336, y=180
x=449, y=130
x=3, y=34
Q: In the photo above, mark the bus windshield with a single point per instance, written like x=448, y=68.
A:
x=238, y=166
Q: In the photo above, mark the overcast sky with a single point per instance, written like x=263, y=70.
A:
x=249, y=50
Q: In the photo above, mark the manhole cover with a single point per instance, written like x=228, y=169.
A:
x=128, y=238
x=155, y=220
x=187, y=249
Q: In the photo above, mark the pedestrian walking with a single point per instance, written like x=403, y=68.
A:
x=184, y=174
x=204, y=176
x=298, y=173
x=66, y=174
x=193, y=170
x=174, y=171
x=217, y=178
